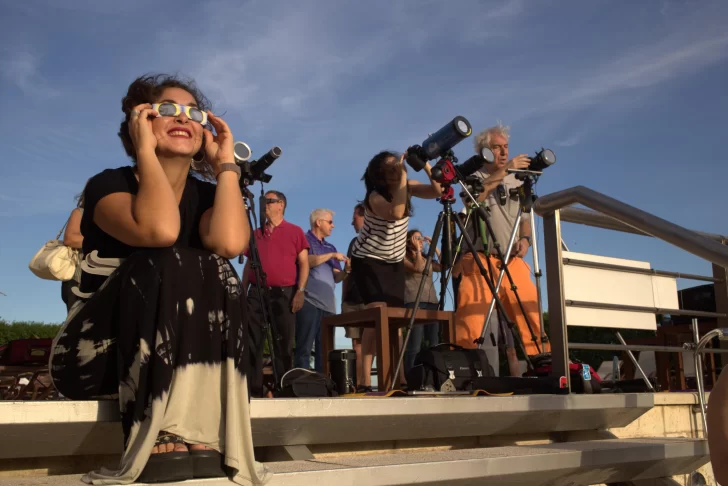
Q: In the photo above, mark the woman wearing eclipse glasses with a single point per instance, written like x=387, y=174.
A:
x=160, y=319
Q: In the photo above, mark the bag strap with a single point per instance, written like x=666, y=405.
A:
x=58, y=236
x=450, y=345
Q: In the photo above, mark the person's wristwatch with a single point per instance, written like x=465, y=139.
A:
x=527, y=238
x=229, y=167
x=302, y=290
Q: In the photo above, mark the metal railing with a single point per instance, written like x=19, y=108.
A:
x=609, y=213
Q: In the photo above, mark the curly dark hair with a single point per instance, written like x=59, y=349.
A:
x=147, y=89
x=375, y=181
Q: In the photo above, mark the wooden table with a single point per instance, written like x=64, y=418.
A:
x=385, y=321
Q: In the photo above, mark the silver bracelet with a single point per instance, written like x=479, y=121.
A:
x=229, y=167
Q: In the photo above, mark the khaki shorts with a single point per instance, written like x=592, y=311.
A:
x=352, y=332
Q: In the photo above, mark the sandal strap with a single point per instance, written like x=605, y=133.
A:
x=167, y=438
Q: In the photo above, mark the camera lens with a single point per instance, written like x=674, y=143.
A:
x=462, y=126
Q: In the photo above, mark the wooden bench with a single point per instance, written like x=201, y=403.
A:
x=386, y=322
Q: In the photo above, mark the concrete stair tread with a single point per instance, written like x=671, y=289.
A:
x=586, y=462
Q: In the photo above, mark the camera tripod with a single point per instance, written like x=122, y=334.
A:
x=261, y=285
x=526, y=198
x=445, y=218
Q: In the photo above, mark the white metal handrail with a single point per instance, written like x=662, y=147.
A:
x=616, y=215
x=643, y=221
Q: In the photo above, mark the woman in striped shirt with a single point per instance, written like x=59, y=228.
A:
x=377, y=262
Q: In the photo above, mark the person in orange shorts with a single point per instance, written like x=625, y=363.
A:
x=501, y=198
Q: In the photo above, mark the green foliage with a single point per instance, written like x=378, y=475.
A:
x=25, y=330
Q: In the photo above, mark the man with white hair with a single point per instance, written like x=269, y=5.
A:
x=501, y=198
x=325, y=272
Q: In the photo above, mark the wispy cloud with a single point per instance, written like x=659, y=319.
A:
x=298, y=63
x=21, y=67
x=693, y=42
x=568, y=142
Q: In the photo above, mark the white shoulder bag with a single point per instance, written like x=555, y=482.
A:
x=55, y=261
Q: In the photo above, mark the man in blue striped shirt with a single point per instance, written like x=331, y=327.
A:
x=325, y=272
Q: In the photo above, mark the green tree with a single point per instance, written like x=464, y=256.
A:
x=26, y=330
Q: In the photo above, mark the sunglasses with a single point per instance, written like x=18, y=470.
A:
x=272, y=201
x=173, y=109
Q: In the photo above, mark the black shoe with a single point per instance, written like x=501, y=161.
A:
x=207, y=464
x=167, y=466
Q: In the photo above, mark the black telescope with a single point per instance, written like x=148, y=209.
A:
x=258, y=167
x=439, y=143
x=476, y=162
x=254, y=170
x=543, y=159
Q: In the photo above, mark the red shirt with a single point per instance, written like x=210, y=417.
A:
x=279, y=248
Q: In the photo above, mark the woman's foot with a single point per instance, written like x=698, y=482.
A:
x=198, y=447
x=167, y=442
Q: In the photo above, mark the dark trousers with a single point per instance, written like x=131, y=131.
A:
x=427, y=332
x=283, y=326
x=308, y=334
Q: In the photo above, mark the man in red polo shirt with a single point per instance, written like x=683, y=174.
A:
x=283, y=250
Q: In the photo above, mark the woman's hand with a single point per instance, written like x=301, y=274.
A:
x=218, y=148
x=395, y=173
x=428, y=240
x=140, y=128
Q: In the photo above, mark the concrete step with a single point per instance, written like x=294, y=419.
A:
x=67, y=428
x=576, y=463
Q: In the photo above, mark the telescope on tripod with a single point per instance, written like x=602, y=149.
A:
x=448, y=172
x=252, y=171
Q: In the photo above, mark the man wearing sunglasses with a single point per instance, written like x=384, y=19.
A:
x=283, y=250
x=325, y=264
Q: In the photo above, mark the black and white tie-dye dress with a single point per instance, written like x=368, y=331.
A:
x=164, y=331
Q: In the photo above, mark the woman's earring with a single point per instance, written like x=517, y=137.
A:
x=198, y=160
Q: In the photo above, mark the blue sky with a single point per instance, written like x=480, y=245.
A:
x=630, y=95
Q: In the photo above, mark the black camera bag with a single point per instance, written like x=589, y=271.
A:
x=434, y=366
x=301, y=383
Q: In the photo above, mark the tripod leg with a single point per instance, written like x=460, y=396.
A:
x=446, y=246
x=425, y=274
x=491, y=287
x=264, y=300
x=447, y=271
x=537, y=274
x=506, y=259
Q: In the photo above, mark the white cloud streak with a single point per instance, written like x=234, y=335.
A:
x=21, y=67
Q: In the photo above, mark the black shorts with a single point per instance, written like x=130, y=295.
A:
x=379, y=281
